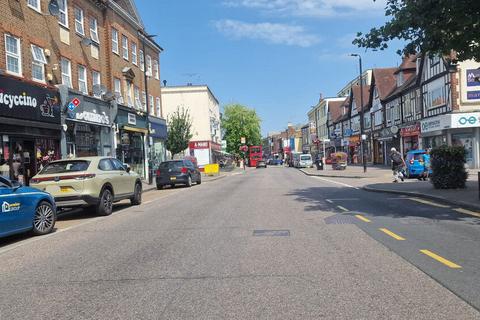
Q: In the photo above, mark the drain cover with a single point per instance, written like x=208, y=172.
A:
x=271, y=233
x=339, y=219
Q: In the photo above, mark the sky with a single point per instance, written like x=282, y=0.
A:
x=275, y=56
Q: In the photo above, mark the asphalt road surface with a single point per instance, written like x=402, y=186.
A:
x=268, y=244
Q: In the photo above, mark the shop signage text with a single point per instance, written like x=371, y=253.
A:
x=434, y=124
x=93, y=117
x=199, y=145
x=409, y=131
x=132, y=119
x=465, y=120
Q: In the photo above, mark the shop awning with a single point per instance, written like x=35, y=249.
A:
x=133, y=129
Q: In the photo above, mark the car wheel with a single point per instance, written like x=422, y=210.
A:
x=137, y=195
x=105, y=205
x=159, y=186
x=172, y=185
x=199, y=181
x=189, y=182
x=44, y=219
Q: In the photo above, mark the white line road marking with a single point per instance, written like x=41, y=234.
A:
x=336, y=182
x=329, y=201
x=345, y=199
x=343, y=208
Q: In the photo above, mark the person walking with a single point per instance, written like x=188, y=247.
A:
x=397, y=164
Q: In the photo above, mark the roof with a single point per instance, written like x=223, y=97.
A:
x=410, y=82
x=356, y=97
x=385, y=81
x=409, y=63
x=187, y=88
x=335, y=109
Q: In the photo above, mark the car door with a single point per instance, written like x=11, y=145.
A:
x=109, y=175
x=192, y=170
x=16, y=209
x=127, y=178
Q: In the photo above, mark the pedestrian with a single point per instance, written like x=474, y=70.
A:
x=426, y=165
x=4, y=169
x=397, y=164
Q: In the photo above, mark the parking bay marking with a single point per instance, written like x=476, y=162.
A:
x=360, y=217
x=391, y=234
x=440, y=259
x=429, y=203
x=465, y=211
x=343, y=208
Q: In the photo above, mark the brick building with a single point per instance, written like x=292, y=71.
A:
x=84, y=68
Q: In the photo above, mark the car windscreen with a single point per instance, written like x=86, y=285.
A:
x=305, y=158
x=171, y=165
x=65, y=167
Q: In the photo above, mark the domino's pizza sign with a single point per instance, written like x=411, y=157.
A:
x=73, y=104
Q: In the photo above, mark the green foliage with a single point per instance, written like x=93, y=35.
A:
x=448, y=166
x=179, y=131
x=434, y=26
x=239, y=121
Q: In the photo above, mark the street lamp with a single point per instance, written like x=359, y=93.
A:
x=364, y=156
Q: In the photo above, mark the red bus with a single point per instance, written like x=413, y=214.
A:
x=254, y=154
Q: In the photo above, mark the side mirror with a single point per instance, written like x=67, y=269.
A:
x=128, y=169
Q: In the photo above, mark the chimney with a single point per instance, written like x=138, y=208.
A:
x=321, y=96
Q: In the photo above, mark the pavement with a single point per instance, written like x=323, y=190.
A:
x=264, y=244
x=379, y=179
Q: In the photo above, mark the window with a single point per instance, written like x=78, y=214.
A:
x=118, y=90
x=96, y=80
x=94, y=30
x=125, y=47
x=34, y=4
x=13, y=55
x=117, y=165
x=63, y=13
x=149, y=66
x=159, y=110
x=105, y=165
x=82, y=79
x=129, y=94
x=142, y=61
x=138, y=104
x=114, y=40
x=38, y=63
x=151, y=105
x=79, y=21
x=66, y=72
x=134, y=53
x=144, y=100
x=155, y=68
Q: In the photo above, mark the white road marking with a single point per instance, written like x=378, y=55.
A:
x=344, y=199
x=329, y=201
x=336, y=182
x=343, y=208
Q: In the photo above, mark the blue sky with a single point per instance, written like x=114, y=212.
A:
x=275, y=56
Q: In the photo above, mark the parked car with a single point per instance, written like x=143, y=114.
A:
x=96, y=182
x=175, y=172
x=304, y=161
x=277, y=162
x=25, y=209
x=261, y=164
x=416, y=161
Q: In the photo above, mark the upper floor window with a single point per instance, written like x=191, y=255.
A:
x=66, y=72
x=34, y=4
x=13, y=55
x=129, y=94
x=138, y=104
x=82, y=79
x=125, y=47
x=156, y=70
x=114, y=40
x=159, y=108
x=96, y=80
x=118, y=90
x=434, y=60
x=134, y=53
x=79, y=21
x=149, y=66
x=152, y=105
x=38, y=63
x=94, y=30
x=63, y=13
x=142, y=61
x=144, y=100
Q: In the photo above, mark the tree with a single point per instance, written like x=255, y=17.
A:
x=240, y=121
x=434, y=26
x=179, y=131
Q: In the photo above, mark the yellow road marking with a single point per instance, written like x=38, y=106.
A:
x=391, y=234
x=465, y=211
x=429, y=203
x=342, y=208
x=446, y=262
x=362, y=218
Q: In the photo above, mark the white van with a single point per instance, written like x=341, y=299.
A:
x=305, y=161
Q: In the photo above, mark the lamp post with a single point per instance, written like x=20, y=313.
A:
x=364, y=156
x=144, y=36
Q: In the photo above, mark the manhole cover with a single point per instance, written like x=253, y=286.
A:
x=271, y=233
x=339, y=219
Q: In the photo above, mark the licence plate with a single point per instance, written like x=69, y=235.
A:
x=65, y=189
x=173, y=178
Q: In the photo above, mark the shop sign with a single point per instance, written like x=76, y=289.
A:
x=93, y=116
x=413, y=130
x=435, y=124
x=473, y=95
x=347, y=132
x=465, y=120
x=23, y=101
x=132, y=119
x=199, y=145
x=472, y=77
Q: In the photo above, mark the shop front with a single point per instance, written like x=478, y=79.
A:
x=384, y=141
x=89, y=124
x=354, y=155
x=465, y=131
x=433, y=131
x=131, y=140
x=410, y=136
x=30, y=128
x=158, y=137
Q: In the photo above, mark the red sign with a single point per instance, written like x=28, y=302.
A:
x=409, y=131
x=199, y=145
x=243, y=148
x=286, y=149
x=76, y=102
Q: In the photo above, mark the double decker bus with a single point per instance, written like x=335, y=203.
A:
x=254, y=154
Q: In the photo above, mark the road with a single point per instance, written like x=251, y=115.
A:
x=267, y=244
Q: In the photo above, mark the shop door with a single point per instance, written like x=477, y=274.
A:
x=22, y=160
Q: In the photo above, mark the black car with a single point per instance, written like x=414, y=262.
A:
x=177, y=172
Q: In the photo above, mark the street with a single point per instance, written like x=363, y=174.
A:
x=264, y=244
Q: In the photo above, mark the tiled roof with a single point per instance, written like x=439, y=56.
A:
x=356, y=96
x=385, y=81
x=335, y=108
x=409, y=62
